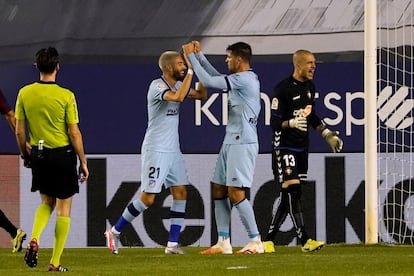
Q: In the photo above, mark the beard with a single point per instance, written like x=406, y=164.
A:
x=178, y=76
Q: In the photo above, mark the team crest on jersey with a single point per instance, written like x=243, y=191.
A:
x=152, y=183
x=275, y=103
x=161, y=86
x=288, y=171
x=309, y=94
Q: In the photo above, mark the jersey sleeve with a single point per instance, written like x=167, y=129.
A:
x=236, y=82
x=20, y=112
x=313, y=118
x=158, y=89
x=277, y=108
x=207, y=65
x=72, y=116
x=218, y=82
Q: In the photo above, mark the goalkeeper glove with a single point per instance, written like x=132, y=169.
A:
x=333, y=139
x=299, y=122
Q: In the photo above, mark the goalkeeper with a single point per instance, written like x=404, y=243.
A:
x=292, y=114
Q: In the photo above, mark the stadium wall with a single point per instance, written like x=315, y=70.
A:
x=333, y=201
x=112, y=105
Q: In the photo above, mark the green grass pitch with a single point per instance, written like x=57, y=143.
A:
x=330, y=260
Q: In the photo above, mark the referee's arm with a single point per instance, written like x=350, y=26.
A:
x=20, y=133
x=76, y=140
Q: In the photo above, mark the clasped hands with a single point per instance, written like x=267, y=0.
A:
x=191, y=47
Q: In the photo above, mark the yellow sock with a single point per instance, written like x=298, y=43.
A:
x=41, y=219
x=61, y=233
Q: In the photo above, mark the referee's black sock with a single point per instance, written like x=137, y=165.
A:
x=279, y=215
x=294, y=195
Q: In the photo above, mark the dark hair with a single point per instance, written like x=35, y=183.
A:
x=241, y=49
x=47, y=59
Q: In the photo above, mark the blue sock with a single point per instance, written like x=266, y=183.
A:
x=177, y=213
x=130, y=213
x=222, y=211
x=247, y=217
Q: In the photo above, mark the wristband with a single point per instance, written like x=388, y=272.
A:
x=190, y=71
x=325, y=132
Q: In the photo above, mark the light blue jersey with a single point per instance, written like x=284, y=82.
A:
x=237, y=157
x=163, y=118
x=243, y=101
x=243, y=108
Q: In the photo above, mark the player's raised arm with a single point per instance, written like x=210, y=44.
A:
x=218, y=82
x=204, y=61
x=200, y=91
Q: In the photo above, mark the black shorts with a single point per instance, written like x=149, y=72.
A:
x=54, y=172
x=288, y=164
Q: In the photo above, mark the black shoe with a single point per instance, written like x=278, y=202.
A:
x=31, y=253
x=60, y=268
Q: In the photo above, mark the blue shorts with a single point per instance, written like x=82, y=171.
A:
x=235, y=165
x=162, y=168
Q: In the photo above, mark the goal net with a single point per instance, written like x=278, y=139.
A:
x=395, y=103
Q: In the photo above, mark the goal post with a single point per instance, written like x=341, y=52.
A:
x=394, y=119
x=370, y=130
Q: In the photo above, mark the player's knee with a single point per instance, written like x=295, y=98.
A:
x=218, y=191
x=48, y=200
x=147, y=199
x=236, y=195
x=179, y=192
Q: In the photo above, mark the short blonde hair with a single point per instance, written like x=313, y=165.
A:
x=167, y=58
x=299, y=54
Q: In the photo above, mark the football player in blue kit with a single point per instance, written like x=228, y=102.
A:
x=162, y=160
x=235, y=164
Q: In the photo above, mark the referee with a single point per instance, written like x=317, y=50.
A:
x=50, y=113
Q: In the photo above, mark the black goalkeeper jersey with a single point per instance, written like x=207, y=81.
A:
x=292, y=98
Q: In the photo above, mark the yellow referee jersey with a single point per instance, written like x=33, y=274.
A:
x=47, y=108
